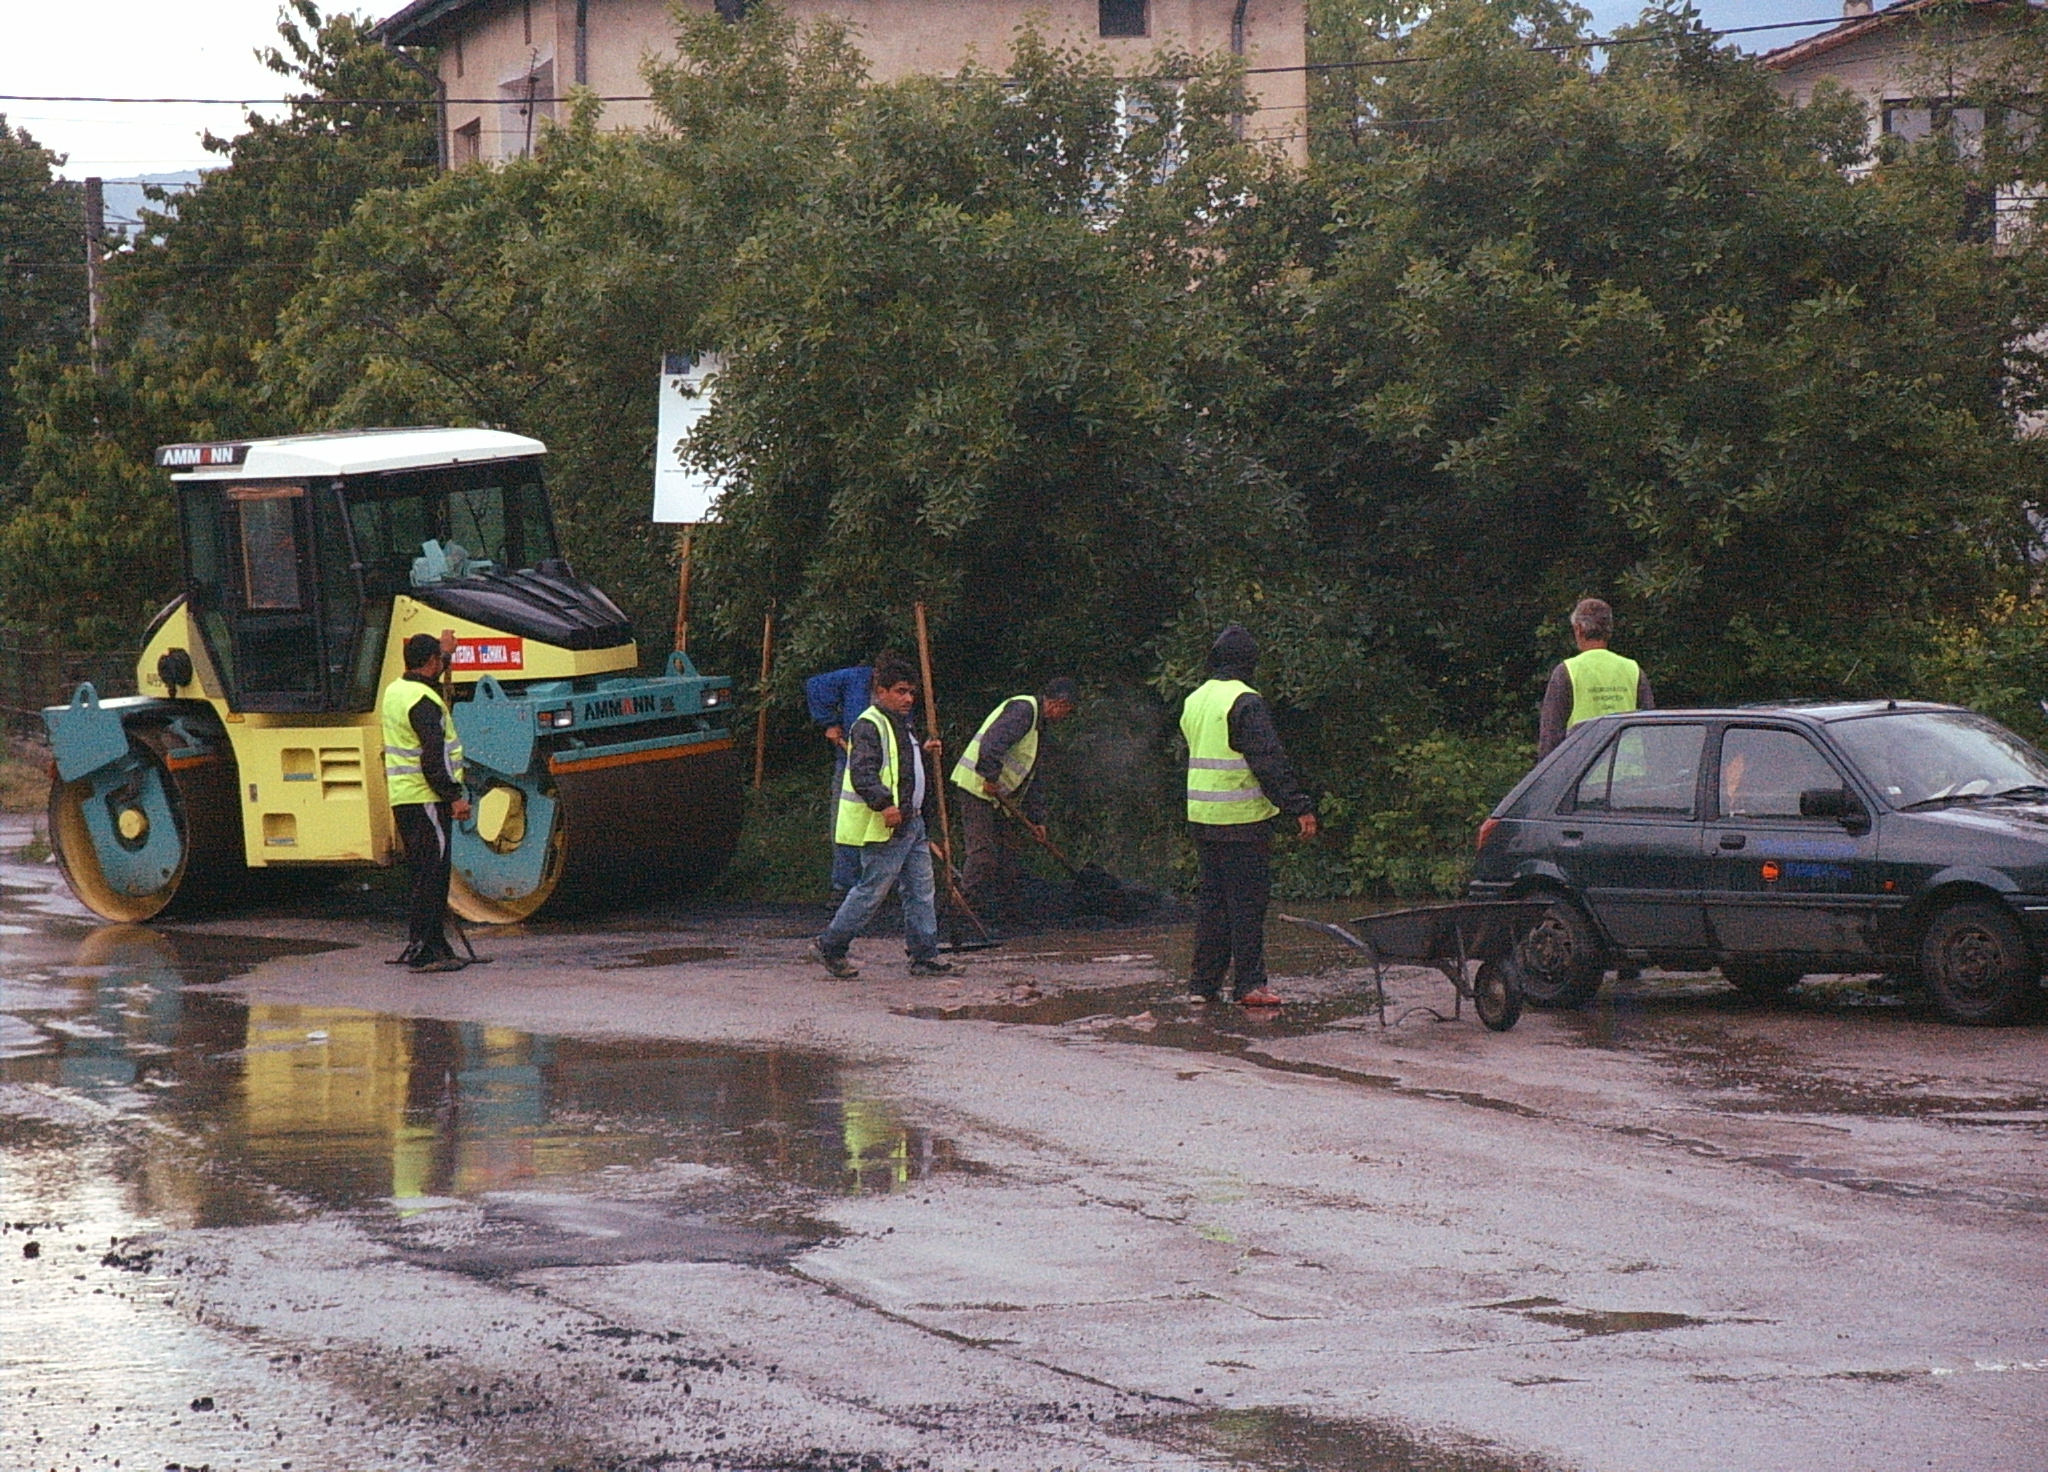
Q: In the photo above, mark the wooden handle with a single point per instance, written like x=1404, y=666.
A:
x=931, y=719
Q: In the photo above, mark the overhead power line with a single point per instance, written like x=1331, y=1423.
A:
x=1591, y=43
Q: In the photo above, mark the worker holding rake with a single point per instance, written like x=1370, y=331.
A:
x=998, y=769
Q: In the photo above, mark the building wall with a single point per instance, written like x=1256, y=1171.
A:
x=496, y=50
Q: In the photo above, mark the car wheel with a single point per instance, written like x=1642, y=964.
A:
x=1761, y=979
x=1497, y=994
x=1561, y=961
x=1977, y=964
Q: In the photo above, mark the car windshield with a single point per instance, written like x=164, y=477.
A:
x=1927, y=756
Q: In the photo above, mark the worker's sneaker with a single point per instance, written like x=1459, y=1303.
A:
x=1201, y=999
x=1265, y=996
x=933, y=966
x=839, y=966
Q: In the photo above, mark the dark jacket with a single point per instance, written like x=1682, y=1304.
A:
x=864, y=762
x=1252, y=735
x=1013, y=725
x=427, y=724
x=1557, y=707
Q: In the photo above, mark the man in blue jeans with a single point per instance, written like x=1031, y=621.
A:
x=882, y=800
x=837, y=699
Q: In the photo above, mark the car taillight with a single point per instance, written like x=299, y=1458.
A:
x=1485, y=832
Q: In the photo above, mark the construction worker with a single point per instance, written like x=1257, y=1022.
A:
x=423, y=774
x=836, y=699
x=1002, y=762
x=1594, y=682
x=1239, y=779
x=882, y=801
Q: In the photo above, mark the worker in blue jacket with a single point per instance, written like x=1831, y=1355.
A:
x=836, y=699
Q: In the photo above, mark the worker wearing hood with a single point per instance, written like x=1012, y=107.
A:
x=1239, y=781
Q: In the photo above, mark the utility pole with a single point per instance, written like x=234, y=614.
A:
x=95, y=289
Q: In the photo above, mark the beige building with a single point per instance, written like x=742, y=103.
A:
x=1908, y=63
x=504, y=62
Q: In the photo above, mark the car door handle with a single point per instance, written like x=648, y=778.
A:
x=1733, y=840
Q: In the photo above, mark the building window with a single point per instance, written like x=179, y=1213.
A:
x=1121, y=17
x=466, y=143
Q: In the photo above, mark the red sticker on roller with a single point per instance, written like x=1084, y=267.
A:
x=1771, y=873
x=481, y=656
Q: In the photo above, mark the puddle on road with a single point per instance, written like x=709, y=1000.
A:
x=666, y=956
x=264, y=1111
x=131, y=1103
x=1289, y=1441
x=1593, y=1323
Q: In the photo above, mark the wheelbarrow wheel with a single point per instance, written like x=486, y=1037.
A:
x=1497, y=994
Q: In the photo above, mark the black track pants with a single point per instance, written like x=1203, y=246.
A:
x=423, y=827
x=1230, y=916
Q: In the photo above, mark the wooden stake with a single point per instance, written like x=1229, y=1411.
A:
x=931, y=721
x=684, y=544
x=761, y=720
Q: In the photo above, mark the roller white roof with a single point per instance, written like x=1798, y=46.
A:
x=342, y=452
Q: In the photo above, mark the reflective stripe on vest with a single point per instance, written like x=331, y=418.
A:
x=857, y=822
x=1603, y=684
x=1221, y=787
x=404, y=777
x=1018, y=761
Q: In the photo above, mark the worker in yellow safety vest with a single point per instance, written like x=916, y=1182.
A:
x=423, y=778
x=1594, y=682
x=890, y=780
x=1239, y=779
x=1001, y=762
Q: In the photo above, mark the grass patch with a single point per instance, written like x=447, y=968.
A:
x=785, y=851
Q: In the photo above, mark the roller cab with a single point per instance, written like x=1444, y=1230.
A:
x=254, y=745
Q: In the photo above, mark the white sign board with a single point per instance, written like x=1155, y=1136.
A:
x=682, y=492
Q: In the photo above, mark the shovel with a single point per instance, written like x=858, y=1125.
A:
x=1096, y=890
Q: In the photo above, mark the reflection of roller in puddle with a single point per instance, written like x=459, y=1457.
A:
x=279, y=1109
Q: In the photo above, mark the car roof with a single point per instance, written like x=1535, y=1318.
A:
x=1822, y=711
x=343, y=452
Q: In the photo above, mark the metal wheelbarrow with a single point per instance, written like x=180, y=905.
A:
x=1454, y=939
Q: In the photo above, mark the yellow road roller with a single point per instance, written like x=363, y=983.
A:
x=254, y=747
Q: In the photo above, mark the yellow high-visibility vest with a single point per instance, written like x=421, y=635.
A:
x=1603, y=684
x=1221, y=787
x=857, y=822
x=404, y=780
x=1017, y=761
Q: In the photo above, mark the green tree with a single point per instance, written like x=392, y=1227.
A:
x=42, y=275
x=89, y=547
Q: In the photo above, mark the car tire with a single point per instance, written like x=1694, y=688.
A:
x=1761, y=979
x=1561, y=962
x=1978, y=966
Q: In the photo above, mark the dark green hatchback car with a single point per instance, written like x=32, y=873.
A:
x=1777, y=842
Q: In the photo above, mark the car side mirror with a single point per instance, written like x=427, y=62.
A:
x=1838, y=803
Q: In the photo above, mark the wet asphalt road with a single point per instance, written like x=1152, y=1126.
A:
x=653, y=1194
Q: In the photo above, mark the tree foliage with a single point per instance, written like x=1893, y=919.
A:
x=42, y=276
x=90, y=547
x=1059, y=354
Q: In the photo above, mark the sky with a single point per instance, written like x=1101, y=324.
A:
x=206, y=48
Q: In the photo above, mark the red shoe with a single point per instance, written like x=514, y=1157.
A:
x=1265, y=996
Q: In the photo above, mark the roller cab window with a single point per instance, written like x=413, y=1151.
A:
x=419, y=529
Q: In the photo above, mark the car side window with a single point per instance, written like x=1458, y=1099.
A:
x=1763, y=772
x=1645, y=769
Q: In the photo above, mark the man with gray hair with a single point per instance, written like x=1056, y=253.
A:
x=1594, y=682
